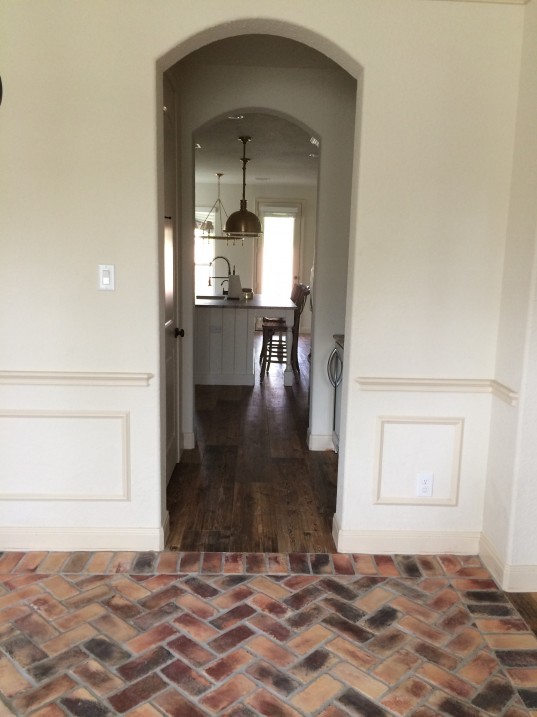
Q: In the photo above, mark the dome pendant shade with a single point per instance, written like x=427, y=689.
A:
x=243, y=223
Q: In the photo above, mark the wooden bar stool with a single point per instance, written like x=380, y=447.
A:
x=274, y=347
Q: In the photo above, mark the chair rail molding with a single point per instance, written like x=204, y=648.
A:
x=439, y=385
x=74, y=378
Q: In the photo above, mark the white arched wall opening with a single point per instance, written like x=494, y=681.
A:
x=245, y=254
x=327, y=100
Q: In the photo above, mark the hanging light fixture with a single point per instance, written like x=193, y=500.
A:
x=207, y=226
x=243, y=224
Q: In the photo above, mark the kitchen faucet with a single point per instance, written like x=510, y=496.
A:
x=228, y=266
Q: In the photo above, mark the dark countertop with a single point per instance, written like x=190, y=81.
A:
x=259, y=301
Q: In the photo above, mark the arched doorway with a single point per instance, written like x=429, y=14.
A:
x=279, y=75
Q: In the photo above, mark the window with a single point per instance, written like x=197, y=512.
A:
x=279, y=252
x=204, y=251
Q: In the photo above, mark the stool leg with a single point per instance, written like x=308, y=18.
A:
x=265, y=353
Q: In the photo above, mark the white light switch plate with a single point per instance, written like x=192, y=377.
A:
x=107, y=278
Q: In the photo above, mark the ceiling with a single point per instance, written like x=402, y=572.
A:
x=280, y=152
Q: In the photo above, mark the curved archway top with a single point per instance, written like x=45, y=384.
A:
x=263, y=26
x=283, y=148
x=257, y=110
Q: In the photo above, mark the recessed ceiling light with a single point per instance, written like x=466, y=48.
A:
x=235, y=117
x=314, y=141
x=197, y=145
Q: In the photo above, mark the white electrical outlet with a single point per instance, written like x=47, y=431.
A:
x=424, y=484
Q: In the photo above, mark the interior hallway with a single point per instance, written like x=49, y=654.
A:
x=251, y=484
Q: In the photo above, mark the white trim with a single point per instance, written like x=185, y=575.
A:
x=520, y=579
x=224, y=379
x=511, y=578
x=439, y=385
x=165, y=529
x=408, y=542
x=74, y=378
x=122, y=416
x=189, y=441
x=90, y=538
x=491, y=559
x=453, y=498
x=320, y=442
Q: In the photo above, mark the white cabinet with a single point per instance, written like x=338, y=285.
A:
x=223, y=352
x=224, y=334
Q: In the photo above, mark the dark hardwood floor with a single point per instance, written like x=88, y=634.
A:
x=526, y=604
x=251, y=484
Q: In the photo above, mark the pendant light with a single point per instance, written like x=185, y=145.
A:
x=243, y=223
x=206, y=226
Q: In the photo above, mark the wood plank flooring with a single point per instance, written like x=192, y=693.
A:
x=526, y=604
x=251, y=484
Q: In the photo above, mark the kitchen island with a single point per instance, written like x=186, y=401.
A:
x=224, y=338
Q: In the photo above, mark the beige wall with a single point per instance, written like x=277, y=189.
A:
x=510, y=533
x=432, y=205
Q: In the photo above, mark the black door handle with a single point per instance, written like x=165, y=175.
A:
x=179, y=332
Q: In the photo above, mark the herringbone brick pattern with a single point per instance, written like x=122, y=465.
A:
x=240, y=635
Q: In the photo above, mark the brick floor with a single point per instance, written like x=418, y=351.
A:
x=242, y=635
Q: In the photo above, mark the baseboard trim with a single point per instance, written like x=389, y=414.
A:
x=320, y=442
x=511, y=578
x=165, y=530
x=225, y=379
x=189, y=441
x=408, y=542
x=91, y=539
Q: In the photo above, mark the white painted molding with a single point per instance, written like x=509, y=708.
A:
x=520, y=579
x=320, y=442
x=490, y=558
x=165, y=529
x=439, y=385
x=450, y=499
x=123, y=417
x=189, y=441
x=224, y=379
x=73, y=378
x=407, y=542
x=336, y=529
x=89, y=538
x=511, y=578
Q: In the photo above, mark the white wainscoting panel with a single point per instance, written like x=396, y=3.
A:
x=409, y=445
x=66, y=455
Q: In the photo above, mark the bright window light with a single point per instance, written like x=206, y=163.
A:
x=278, y=235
